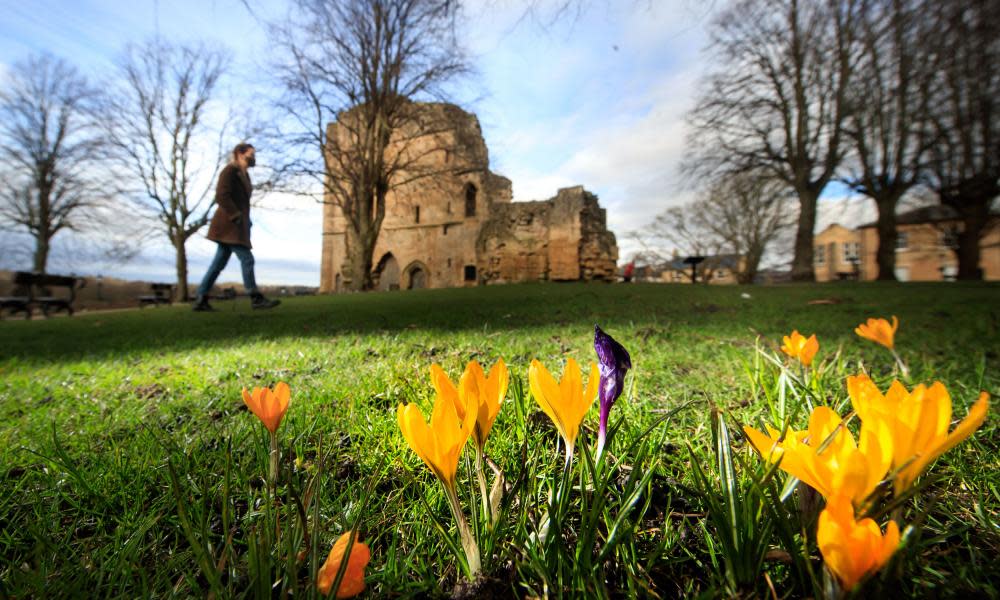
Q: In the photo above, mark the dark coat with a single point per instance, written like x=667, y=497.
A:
x=231, y=221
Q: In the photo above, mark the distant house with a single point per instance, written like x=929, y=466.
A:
x=837, y=253
x=924, y=248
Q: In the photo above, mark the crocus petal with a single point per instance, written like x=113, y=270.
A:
x=353, y=581
x=268, y=406
x=917, y=422
x=768, y=447
x=614, y=362
x=567, y=401
x=545, y=389
x=971, y=422
x=493, y=391
x=444, y=387
x=853, y=549
x=420, y=438
x=879, y=331
x=799, y=347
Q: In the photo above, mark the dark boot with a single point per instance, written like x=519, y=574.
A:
x=202, y=305
x=260, y=302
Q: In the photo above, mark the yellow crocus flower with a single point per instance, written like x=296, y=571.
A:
x=879, y=331
x=917, y=420
x=353, y=581
x=841, y=467
x=799, y=347
x=440, y=444
x=487, y=391
x=853, y=549
x=565, y=402
x=269, y=406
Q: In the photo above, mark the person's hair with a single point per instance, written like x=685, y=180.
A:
x=241, y=149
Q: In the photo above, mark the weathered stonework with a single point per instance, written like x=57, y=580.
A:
x=460, y=227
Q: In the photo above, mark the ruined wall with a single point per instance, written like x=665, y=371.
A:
x=433, y=237
x=564, y=238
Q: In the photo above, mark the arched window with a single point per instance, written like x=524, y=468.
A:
x=470, y=200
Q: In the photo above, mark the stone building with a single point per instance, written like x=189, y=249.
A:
x=924, y=248
x=459, y=227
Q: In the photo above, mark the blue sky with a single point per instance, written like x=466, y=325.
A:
x=597, y=100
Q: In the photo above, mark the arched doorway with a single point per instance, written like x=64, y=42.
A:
x=386, y=273
x=416, y=276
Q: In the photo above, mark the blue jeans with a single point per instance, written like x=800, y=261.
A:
x=222, y=255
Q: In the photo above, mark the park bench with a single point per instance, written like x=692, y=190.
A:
x=161, y=295
x=228, y=293
x=33, y=289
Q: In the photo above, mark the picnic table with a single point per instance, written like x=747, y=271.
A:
x=34, y=290
x=161, y=295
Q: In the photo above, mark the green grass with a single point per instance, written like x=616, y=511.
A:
x=96, y=411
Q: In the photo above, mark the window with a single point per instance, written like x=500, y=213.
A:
x=470, y=272
x=444, y=230
x=902, y=243
x=820, y=258
x=416, y=214
x=851, y=250
x=470, y=200
x=949, y=237
x=449, y=262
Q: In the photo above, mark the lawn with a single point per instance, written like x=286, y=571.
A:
x=131, y=466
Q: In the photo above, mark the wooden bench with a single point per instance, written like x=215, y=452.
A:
x=228, y=293
x=32, y=289
x=161, y=295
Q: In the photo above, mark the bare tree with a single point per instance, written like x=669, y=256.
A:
x=741, y=215
x=887, y=124
x=965, y=160
x=777, y=100
x=362, y=64
x=160, y=125
x=50, y=153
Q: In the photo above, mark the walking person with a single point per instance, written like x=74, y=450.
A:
x=230, y=228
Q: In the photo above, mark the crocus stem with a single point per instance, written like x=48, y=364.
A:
x=468, y=540
x=272, y=473
x=483, y=491
x=602, y=433
x=902, y=365
x=569, y=460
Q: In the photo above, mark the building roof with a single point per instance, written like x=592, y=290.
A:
x=934, y=213
x=719, y=261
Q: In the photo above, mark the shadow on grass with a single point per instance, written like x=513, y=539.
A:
x=831, y=309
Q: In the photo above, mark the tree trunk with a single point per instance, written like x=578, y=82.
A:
x=972, y=199
x=360, y=249
x=968, y=244
x=43, y=237
x=885, y=256
x=749, y=272
x=41, y=252
x=802, y=264
x=182, y=269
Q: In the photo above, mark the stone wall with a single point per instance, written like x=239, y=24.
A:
x=461, y=228
x=563, y=238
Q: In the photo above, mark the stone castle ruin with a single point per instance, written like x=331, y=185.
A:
x=459, y=226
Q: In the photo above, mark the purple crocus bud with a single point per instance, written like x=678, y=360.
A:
x=613, y=362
